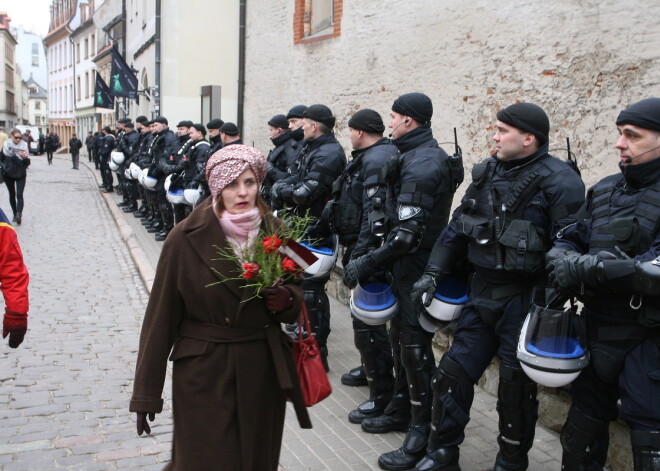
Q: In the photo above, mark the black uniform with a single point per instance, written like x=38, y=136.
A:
x=321, y=161
x=620, y=214
x=420, y=192
x=107, y=144
x=280, y=159
x=194, y=174
x=164, y=145
x=175, y=166
x=504, y=226
x=362, y=186
x=126, y=143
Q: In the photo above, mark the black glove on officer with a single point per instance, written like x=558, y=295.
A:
x=567, y=270
x=441, y=264
x=359, y=269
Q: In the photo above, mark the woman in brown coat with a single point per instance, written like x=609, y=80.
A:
x=232, y=365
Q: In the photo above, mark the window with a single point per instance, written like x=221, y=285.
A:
x=86, y=48
x=86, y=84
x=317, y=19
x=93, y=45
x=77, y=52
x=78, y=88
x=37, y=105
x=35, y=61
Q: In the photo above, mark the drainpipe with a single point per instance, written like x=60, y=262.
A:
x=123, y=47
x=241, y=66
x=157, y=93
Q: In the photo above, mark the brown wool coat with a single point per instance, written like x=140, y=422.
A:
x=232, y=365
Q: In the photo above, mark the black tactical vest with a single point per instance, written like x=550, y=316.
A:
x=492, y=216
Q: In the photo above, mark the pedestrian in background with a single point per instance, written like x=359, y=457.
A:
x=14, y=281
x=52, y=143
x=89, y=143
x=232, y=366
x=15, y=161
x=75, y=145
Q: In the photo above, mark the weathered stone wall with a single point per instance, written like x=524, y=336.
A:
x=581, y=60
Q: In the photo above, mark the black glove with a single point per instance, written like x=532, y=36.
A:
x=277, y=299
x=142, y=424
x=571, y=270
x=425, y=285
x=358, y=270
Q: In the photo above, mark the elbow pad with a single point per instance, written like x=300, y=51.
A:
x=406, y=240
x=303, y=194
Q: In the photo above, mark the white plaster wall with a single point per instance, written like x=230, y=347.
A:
x=581, y=60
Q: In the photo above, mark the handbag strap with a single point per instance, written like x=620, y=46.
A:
x=303, y=319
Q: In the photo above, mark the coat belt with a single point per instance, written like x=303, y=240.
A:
x=220, y=334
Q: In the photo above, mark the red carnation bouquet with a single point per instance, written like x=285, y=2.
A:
x=275, y=256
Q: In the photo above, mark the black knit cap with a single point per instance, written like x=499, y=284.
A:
x=645, y=114
x=141, y=119
x=527, y=117
x=107, y=129
x=124, y=120
x=215, y=123
x=230, y=129
x=416, y=105
x=129, y=125
x=367, y=120
x=186, y=123
x=200, y=127
x=160, y=119
x=296, y=112
x=321, y=114
x=279, y=121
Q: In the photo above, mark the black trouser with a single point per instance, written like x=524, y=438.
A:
x=15, y=188
x=49, y=155
x=75, y=157
x=318, y=308
x=486, y=328
x=106, y=173
x=180, y=212
x=89, y=153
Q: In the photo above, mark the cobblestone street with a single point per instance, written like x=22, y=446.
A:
x=64, y=392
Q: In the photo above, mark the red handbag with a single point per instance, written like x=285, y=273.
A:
x=307, y=357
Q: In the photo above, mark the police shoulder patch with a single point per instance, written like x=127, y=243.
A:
x=407, y=212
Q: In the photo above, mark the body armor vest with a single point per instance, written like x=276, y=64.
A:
x=493, y=216
x=627, y=219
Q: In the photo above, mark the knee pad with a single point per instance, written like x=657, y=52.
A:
x=584, y=441
x=516, y=390
x=363, y=339
x=449, y=375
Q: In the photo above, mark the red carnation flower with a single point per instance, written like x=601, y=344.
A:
x=271, y=244
x=289, y=266
x=251, y=270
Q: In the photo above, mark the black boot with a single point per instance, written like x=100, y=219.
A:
x=132, y=206
x=646, y=450
x=157, y=226
x=441, y=459
x=453, y=391
x=395, y=418
x=584, y=441
x=354, y=377
x=375, y=352
x=417, y=356
x=162, y=235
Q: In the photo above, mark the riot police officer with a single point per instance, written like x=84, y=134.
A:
x=126, y=144
x=173, y=167
x=609, y=258
x=194, y=162
x=106, y=144
x=215, y=139
x=142, y=159
x=517, y=200
x=321, y=161
x=281, y=157
x=422, y=184
x=230, y=135
x=359, y=193
x=164, y=145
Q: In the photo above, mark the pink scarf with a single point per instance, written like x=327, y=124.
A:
x=240, y=229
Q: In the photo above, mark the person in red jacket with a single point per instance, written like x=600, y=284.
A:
x=14, y=279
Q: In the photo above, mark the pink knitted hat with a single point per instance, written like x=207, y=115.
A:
x=228, y=163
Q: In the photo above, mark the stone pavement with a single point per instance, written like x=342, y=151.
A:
x=64, y=392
